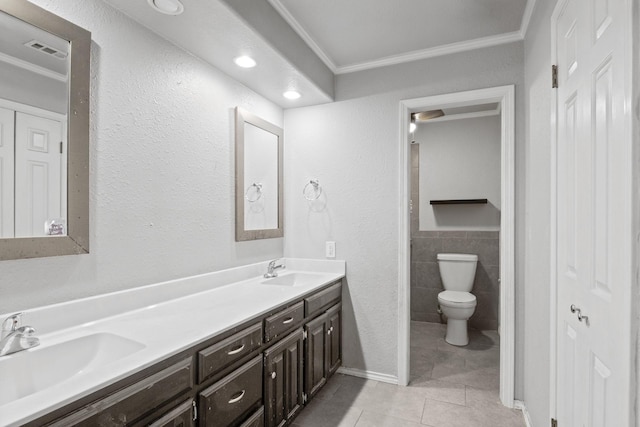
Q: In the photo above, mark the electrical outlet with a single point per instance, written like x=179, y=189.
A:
x=330, y=249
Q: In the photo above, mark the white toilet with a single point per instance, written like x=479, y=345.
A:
x=456, y=301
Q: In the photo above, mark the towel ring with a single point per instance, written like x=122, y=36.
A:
x=256, y=194
x=312, y=190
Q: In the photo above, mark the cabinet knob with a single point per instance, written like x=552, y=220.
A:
x=273, y=375
x=329, y=332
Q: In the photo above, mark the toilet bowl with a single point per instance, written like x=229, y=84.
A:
x=457, y=272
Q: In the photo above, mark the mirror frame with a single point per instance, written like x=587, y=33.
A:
x=242, y=234
x=77, y=239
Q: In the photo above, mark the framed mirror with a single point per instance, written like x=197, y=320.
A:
x=44, y=133
x=259, y=200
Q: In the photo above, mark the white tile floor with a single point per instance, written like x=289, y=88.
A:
x=450, y=387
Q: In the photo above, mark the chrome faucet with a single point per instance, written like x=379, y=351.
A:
x=271, y=269
x=14, y=338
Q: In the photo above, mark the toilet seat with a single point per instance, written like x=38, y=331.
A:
x=457, y=299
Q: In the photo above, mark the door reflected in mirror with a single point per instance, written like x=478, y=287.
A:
x=44, y=133
x=34, y=93
x=259, y=201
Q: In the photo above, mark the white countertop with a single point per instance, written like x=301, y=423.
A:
x=166, y=318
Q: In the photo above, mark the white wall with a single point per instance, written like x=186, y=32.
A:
x=26, y=87
x=460, y=159
x=537, y=261
x=351, y=146
x=162, y=180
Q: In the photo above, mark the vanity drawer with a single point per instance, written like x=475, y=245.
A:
x=283, y=321
x=181, y=416
x=222, y=354
x=322, y=299
x=232, y=397
x=137, y=400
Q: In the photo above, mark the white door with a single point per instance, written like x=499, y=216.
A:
x=38, y=173
x=6, y=172
x=593, y=213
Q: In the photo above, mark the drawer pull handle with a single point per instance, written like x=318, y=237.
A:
x=237, y=398
x=236, y=350
x=287, y=320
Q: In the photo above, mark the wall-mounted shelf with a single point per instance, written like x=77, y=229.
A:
x=458, y=202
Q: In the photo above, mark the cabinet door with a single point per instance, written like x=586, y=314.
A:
x=334, y=341
x=283, y=379
x=316, y=348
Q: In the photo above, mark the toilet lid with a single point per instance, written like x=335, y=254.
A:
x=457, y=298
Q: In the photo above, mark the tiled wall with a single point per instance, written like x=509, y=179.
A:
x=425, y=275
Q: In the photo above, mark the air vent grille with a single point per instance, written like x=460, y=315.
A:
x=44, y=48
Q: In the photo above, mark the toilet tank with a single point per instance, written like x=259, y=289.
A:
x=457, y=271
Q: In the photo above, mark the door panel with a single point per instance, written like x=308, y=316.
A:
x=38, y=180
x=593, y=213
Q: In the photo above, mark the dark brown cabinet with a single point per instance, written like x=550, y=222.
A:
x=259, y=373
x=322, y=349
x=283, y=380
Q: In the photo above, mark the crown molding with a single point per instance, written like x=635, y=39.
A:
x=25, y=65
x=416, y=55
x=291, y=20
x=433, y=52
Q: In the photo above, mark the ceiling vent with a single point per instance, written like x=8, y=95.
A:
x=44, y=48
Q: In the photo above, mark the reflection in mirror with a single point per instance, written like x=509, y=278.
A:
x=259, y=199
x=44, y=133
x=34, y=65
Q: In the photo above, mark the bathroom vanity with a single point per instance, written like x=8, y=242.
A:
x=270, y=347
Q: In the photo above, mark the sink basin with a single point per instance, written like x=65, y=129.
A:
x=30, y=371
x=294, y=279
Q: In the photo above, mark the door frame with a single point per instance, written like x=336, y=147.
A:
x=505, y=96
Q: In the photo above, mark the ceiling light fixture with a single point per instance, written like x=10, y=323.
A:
x=427, y=115
x=291, y=94
x=168, y=7
x=245, y=61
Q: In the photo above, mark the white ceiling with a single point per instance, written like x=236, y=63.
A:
x=347, y=35
x=360, y=34
x=15, y=33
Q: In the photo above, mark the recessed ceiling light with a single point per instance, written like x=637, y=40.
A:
x=291, y=94
x=245, y=62
x=168, y=7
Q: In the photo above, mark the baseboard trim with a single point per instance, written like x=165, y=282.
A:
x=369, y=375
x=518, y=404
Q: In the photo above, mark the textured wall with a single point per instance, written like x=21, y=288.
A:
x=460, y=159
x=351, y=147
x=161, y=168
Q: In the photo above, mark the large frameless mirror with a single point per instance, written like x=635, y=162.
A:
x=44, y=133
x=259, y=201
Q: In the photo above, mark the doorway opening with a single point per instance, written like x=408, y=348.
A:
x=503, y=97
